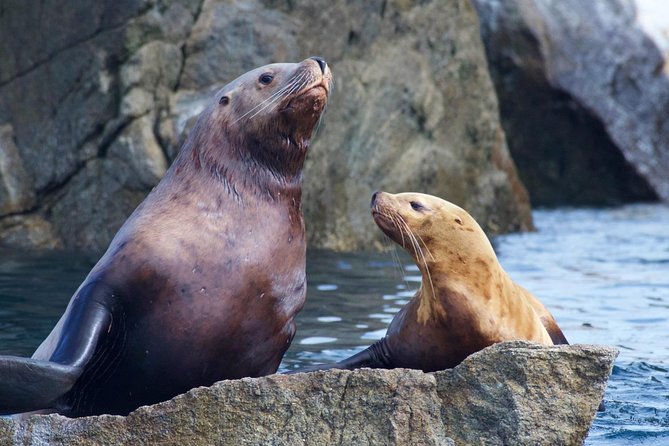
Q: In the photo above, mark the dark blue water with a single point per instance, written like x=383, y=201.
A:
x=603, y=273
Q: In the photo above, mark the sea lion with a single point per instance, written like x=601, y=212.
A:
x=204, y=279
x=466, y=301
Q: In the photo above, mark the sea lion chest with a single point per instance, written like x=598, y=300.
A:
x=206, y=291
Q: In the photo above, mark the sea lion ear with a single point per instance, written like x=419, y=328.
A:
x=458, y=220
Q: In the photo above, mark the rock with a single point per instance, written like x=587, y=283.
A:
x=16, y=193
x=511, y=393
x=584, y=94
x=413, y=107
x=28, y=230
x=94, y=203
x=413, y=110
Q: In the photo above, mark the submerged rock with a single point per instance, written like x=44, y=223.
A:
x=97, y=104
x=511, y=393
x=584, y=95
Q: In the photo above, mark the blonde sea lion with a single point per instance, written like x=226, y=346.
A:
x=466, y=301
x=204, y=279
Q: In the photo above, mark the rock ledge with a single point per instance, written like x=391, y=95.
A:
x=510, y=393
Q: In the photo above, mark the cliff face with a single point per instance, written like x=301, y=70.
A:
x=96, y=97
x=584, y=94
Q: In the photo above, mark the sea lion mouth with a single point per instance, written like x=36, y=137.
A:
x=385, y=222
x=317, y=94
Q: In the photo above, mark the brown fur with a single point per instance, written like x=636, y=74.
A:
x=466, y=301
x=208, y=273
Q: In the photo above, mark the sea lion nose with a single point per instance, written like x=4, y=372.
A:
x=374, y=198
x=321, y=63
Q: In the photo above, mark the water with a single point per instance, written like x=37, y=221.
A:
x=603, y=273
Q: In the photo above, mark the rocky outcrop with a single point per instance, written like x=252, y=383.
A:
x=94, y=100
x=512, y=393
x=584, y=94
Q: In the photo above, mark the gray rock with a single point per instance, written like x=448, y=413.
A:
x=90, y=208
x=584, y=89
x=28, y=230
x=16, y=193
x=511, y=393
x=413, y=108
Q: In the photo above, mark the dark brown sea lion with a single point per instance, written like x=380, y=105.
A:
x=466, y=301
x=204, y=279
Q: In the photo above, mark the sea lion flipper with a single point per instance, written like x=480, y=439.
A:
x=35, y=384
x=31, y=384
x=88, y=319
x=373, y=357
x=554, y=331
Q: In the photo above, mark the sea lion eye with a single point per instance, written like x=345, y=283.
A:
x=225, y=100
x=416, y=206
x=266, y=79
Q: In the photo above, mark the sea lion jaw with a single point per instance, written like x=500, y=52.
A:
x=301, y=110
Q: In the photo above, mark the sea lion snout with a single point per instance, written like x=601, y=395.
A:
x=321, y=63
x=373, y=201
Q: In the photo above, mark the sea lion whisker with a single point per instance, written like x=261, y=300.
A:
x=398, y=263
x=427, y=271
x=427, y=268
x=420, y=255
x=425, y=246
x=320, y=120
x=275, y=95
x=297, y=85
x=403, y=227
x=261, y=104
x=285, y=91
x=291, y=82
x=397, y=225
x=412, y=239
x=396, y=260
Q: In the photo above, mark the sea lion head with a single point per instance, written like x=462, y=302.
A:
x=254, y=134
x=432, y=230
x=271, y=112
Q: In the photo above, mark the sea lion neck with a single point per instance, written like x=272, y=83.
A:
x=243, y=166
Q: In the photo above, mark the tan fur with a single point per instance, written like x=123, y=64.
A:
x=465, y=293
x=466, y=301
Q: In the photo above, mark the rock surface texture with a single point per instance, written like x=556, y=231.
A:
x=95, y=98
x=584, y=94
x=512, y=393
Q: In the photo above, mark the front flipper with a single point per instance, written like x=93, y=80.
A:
x=553, y=330
x=30, y=384
x=33, y=384
x=376, y=356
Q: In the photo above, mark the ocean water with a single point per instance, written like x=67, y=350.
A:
x=604, y=273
